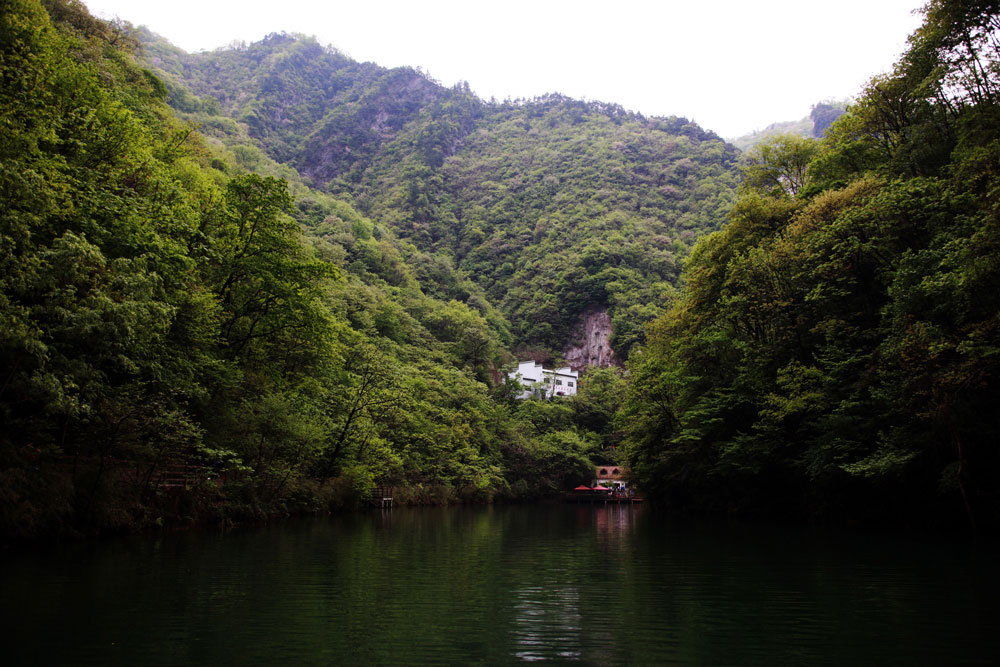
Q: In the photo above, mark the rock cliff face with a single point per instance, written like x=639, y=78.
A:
x=590, y=344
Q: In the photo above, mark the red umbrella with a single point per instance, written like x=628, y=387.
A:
x=582, y=488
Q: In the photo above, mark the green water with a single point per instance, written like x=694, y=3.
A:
x=560, y=584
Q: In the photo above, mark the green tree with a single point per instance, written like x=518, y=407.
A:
x=778, y=166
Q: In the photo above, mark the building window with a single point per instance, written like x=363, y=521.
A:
x=559, y=382
x=570, y=384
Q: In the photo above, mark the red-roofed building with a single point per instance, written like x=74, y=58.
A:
x=611, y=476
x=613, y=473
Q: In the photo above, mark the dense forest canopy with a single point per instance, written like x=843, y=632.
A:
x=283, y=277
x=168, y=302
x=551, y=205
x=835, y=349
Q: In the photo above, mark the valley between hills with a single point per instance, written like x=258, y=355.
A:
x=268, y=280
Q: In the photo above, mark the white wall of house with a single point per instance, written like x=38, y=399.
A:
x=538, y=381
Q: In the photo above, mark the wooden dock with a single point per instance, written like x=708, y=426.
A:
x=382, y=497
x=601, y=498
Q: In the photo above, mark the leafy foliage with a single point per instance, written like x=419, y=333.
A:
x=834, y=352
x=814, y=126
x=168, y=301
x=279, y=265
x=550, y=206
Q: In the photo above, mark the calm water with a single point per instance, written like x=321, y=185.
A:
x=560, y=584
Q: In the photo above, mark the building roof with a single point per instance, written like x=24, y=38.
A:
x=534, y=365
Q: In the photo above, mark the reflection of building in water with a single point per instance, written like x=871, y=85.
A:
x=614, y=520
x=610, y=520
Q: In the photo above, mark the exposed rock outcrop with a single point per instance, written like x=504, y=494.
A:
x=590, y=344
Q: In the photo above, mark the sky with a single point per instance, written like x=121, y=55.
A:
x=732, y=66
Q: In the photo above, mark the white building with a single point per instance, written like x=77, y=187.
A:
x=542, y=382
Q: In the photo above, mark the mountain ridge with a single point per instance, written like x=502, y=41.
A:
x=520, y=195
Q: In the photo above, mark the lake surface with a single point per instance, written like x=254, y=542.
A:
x=569, y=584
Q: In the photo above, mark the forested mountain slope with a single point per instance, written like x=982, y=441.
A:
x=183, y=335
x=836, y=352
x=553, y=206
x=300, y=277
x=820, y=118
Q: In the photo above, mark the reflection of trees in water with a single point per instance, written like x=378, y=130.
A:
x=567, y=598
x=547, y=621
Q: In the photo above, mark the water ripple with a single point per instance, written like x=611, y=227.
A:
x=560, y=585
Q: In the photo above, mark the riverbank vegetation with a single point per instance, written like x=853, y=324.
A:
x=182, y=338
x=266, y=280
x=835, y=351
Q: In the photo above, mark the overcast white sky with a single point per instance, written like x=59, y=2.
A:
x=733, y=66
